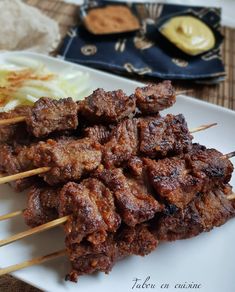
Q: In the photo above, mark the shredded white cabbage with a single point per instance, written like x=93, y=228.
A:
x=23, y=81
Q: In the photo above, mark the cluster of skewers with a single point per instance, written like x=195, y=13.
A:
x=119, y=176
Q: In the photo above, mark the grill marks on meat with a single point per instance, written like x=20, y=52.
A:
x=178, y=179
x=93, y=211
x=162, y=136
x=202, y=214
x=98, y=133
x=106, y=106
x=210, y=164
x=150, y=136
x=133, y=200
x=13, y=160
x=69, y=159
x=42, y=205
x=50, y=115
x=15, y=133
x=87, y=258
x=171, y=180
x=95, y=238
x=155, y=97
x=136, y=167
x=123, y=143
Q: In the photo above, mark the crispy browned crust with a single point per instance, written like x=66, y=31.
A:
x=69, y=159
x=51, y=115
x=178, y=179
x=15, y=133
x=92, y=210
x=163, y=136
x=205, y=212
x=155, y=97
x=106, y=106
x=87, y=258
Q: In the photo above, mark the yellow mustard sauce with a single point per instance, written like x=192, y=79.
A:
x=189, y=34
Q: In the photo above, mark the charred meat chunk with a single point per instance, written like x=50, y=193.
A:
x=106, y=106
x=51, y=115
x=42, y=205
x=164, y=136
x=135, y=204
x=68, y=159
x=15, y=133
x=178, y=179
x=172, y=180
x=206, y=211
x=13, y=160
x=136, y=166
x=155, y=97
x=210, y=163
x=123, y=143
x=92, y=211
x=87, y=258
x=98, y=133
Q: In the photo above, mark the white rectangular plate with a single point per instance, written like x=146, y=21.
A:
x=206, y=260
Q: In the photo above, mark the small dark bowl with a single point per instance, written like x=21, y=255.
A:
x=172, y=47
x=89, y=5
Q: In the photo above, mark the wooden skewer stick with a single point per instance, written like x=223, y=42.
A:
x=46, y=226
x=34, y=230
x=202, y=128
x=24, y=174
x=11, y=215
x=231, y=197
x=183, y=91
x=40, y=170
x=32, y=262
x=229, y=155
x=11, y=121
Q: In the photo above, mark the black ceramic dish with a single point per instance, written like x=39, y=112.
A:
x=89, y=5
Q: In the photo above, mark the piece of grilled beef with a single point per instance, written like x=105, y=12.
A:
x=99, y=133
x=177, y=179
x=14, y=160
x=42, y=205
x=155, y=97
x=51, y=115
x=92, y=211
x=206, y=211
x=164, y=136
x=154, y=137
x=134, y=202
x=122, y=144
x=106, y=106
x=87, y=258
x=15, y=134
x=68, y=159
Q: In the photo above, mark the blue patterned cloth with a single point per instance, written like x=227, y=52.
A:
x=146, y=52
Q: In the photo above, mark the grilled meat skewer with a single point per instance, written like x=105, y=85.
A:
x=49, y=115
x=98, y=251
x=69, y=157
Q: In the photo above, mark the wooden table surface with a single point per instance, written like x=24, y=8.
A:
x=223, y=94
